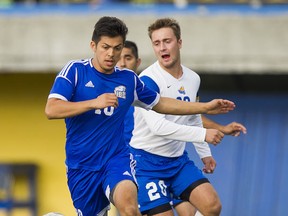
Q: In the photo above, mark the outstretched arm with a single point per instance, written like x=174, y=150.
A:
x=177, y=107
x=233, y=129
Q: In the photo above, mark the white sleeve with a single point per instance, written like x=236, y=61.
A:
x=202, y=148
x=160, y=126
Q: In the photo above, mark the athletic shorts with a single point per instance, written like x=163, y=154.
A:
x=176, y=201
x=90, y=190
x=158, y=177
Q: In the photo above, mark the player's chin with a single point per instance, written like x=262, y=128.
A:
x=109, y=67
x=109, y=64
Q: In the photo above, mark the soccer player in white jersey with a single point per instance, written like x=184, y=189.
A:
x=93, y=96
x=130, y=59
x=158, y=141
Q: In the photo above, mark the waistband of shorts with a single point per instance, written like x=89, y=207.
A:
x=136, y=152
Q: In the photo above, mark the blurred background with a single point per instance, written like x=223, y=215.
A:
x=238, y=47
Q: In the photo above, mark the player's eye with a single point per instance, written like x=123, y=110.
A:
x=167, y=41
x=118, y=48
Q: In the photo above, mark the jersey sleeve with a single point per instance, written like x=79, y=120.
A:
x=150, y=83
x=160, y=126
x=145, y=97
x=202, y=148
x=64, y=83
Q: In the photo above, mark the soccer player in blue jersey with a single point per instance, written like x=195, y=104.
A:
x=158, y=142
x=93, y=96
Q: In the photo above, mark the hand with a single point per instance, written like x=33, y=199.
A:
x=218, y=106
x=234, y=129
x=213, y=136
x=105, y=100
x=209, y=164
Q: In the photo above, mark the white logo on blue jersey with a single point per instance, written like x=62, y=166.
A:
x=120, y=91
x=89, y=84
x=126, y=173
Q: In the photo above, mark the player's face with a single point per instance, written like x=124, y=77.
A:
x=107, y=53
x=166, y=47
x=128, y=60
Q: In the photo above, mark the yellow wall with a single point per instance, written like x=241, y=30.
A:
x=27, y=136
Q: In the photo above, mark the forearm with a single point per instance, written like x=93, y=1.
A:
x=177, y=107
x=210, y=124
x=202, y=149
x=171, y=129
x=57, y=109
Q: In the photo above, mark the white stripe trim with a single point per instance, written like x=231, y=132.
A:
x=64, y=77
x=67, y=67
x=63, y=72
x=58, y=96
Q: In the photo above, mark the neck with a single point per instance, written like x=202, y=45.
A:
x=100, y=69
x=175, y=70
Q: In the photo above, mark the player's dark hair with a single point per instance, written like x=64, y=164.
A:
x=131, y=45
x=110, y=27
x=165, y=23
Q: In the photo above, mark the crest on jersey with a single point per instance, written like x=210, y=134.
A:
x=181, y=90
x=120, y=92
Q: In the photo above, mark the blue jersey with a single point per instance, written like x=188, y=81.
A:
x=93, y=137
x=129, y=125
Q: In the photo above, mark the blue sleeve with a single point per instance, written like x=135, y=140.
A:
x=145, y=94
x=65, y=82
x=150, y=83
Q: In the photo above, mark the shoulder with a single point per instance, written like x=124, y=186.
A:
x=150, y=78
x=125, y=71
x=74, y=68
x=79, y=63
x=76, y=64
x=127, y=76
x=190, y=73
x=150, y=71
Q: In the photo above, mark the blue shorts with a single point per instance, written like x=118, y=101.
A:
x=158, y=177
x=176, y=202
x=90, y=190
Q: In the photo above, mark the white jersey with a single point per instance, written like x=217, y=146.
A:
x=166, y=135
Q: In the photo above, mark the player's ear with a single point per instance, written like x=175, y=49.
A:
x=138, y=62
x=93, y=46
x=180, y=43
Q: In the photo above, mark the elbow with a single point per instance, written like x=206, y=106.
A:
x=51, y=110
x=49, y=117
x=160, y=133
x=49, y=113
